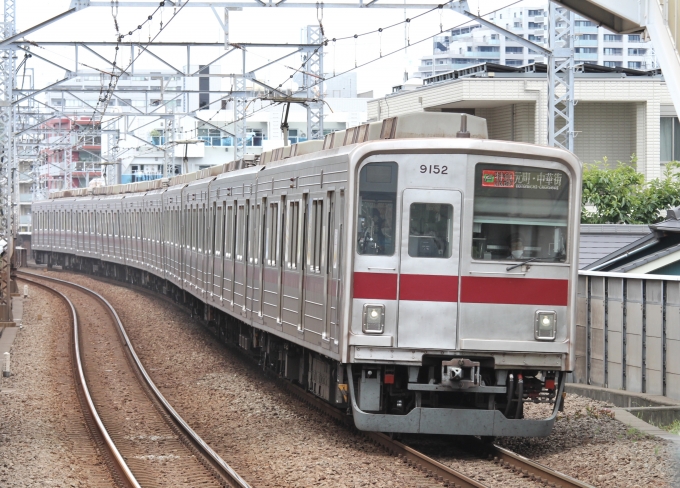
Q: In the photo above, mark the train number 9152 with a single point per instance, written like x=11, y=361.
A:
x=434, y=168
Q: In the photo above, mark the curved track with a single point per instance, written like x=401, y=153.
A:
x=145, y=441
x=496, y=457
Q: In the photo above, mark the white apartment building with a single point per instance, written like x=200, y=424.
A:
x=475, y=44
x=617, y=115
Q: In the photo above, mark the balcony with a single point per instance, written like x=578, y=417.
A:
x=585, y=56
x=586, y=42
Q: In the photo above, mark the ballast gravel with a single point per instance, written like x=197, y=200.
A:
x=43, y=438
x=272, y=439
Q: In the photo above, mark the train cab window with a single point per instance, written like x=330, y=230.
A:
x=520, y=213
x=430, y=228
x=376, y=219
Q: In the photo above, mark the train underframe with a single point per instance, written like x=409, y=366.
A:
x=458, y=395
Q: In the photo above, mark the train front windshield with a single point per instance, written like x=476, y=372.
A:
x=520, y=213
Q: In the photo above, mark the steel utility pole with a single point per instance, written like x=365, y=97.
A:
x=561, y=78
x=7, y=162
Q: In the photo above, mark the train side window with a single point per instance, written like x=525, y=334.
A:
x=240, y=232
x=219, y=231
x=430, y=227
x=520, y=213
x=200, y=235
x=315, y=232
x=255, y=233
x=292, y=235
x=272, y=233
x=376, y=219
x=229, y=232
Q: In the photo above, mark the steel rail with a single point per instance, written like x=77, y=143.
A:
x=445, y=474
x=216, y=461
x=121, y=465
x=541, y=473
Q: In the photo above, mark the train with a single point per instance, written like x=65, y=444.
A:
x=411, y=271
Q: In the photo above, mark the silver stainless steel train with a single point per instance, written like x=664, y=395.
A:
x=410, y=270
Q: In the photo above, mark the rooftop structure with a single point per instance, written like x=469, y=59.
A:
x=474, y=43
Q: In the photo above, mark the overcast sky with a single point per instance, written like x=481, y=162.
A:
x=268, y=25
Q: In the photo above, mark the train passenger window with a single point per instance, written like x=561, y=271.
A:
x=255, y=240
x=376, y=219
x=272, y=234
x=240, y=232
x=520, y=213
x=200, y=230
x=292, y=235
x=219, y=231
x=430, y=229
x=229, y=233
x=314, y=244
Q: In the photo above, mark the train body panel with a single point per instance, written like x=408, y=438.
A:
x=442, y=269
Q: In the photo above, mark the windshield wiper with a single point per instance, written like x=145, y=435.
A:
x=509, y=268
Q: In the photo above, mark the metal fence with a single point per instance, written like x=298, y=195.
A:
x=628, y=332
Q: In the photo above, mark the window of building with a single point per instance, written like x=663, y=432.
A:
x=612, y=51
x=636, y=52
x=204, y=87
x=376, y=219
x=613, y=64
x=513, y=62
x=514, y=49
x=494, y=36
x=585, y=50
x=588, y=37
x=520, y=212
x=634, y=38
x=469, y=48
x=670, y=139
x=517, y=25
x=583, y=23
x=488, y=49
x=635, y=64
x=613, y=38
x=535, y=25
x=56, y=101
x=535, y=38
x=534, y=13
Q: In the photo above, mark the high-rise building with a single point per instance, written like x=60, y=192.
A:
x=475, y=44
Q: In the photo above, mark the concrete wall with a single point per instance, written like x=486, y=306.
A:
x=616, y=116
x=605, y=129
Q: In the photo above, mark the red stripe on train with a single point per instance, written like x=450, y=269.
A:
x=428, y=288
x=431, y=288
x=514, y=291
x=375, y=286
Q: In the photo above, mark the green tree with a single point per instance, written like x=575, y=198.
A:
x=619, y=195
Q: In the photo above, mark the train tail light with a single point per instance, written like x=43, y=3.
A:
x=373, y=319
x=545, y=326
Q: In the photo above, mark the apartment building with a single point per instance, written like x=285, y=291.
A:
x=474, y=44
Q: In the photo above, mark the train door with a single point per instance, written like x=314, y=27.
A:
x=253, y=278
x=241, y=255
x=316, y=272
x=271, y=292
x=293, y=254
x=333, y=266
x=218, y=252
x=429, y=263
x=209, y=258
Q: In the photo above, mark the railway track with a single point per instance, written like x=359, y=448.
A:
x=144, y=441
x=496, y=457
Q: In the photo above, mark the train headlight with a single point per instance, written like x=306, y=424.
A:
x=545, y=326
x=373, y=319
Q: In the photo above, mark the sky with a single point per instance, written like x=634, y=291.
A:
x=265, y=25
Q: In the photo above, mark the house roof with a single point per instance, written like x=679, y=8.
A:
x=600, y=240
